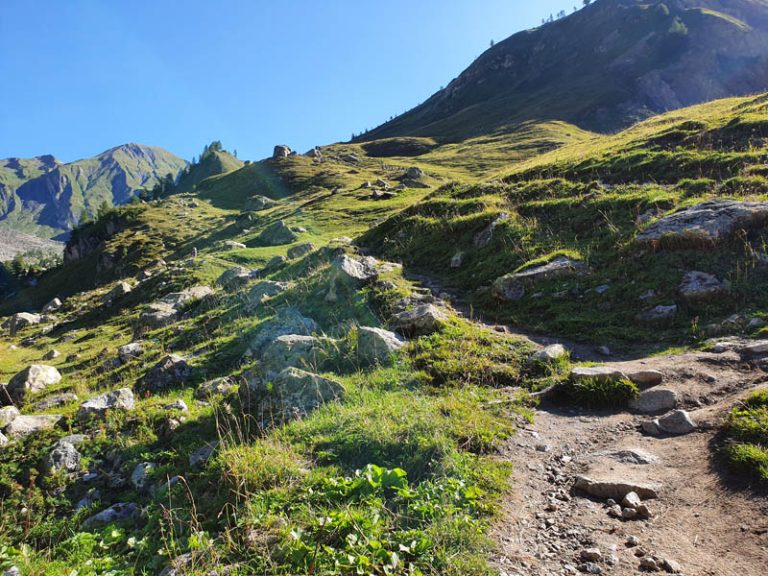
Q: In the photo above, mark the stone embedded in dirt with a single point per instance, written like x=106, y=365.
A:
x=631, y=500
x=654, y=401
x=116, y=514
x=633, y=541
x=422, y=320
x=550, y=354
x=600, y=373
x=648, y=563
x=234, y=277
x=7, y=415
x=511, y=287
x=615, y=511
x=678, y=422
x=23, y=426
x=179, y=300
x=278, y=234
x=130, y=351
x=591, y=555
x=30, y=381
x=216, y=387
x=698, y=287
x=376, y=345
x=265, y=290
x=651, y=427
x=660, y=313
x=22, y=320
x=178, y=405
x=99, y=406
x=297, y=350
x=671, y=566
x=616, y=489
x=628, y=513
x=646, y=378
x=293, y=393
x=632, y=456
x=484, y=237
x=706, y=223
x=301, y=250
x=166, y=310
x=172, y=370
x=590, y=568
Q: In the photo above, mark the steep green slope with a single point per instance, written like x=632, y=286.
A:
x=602, y=68
x=211, y=163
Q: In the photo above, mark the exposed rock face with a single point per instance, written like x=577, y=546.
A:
x=281, y=151
x=171, y=371
x=377, y=346
x=27, y=425
x=187, y=296
x=706, y=224
x=300, y=351
x=99, y=406
x=22, y=320
x=292, y=393
x=423, y=319
x=698, y=287
x=232, y=245
x=278, y=234
x=141, y=477
x=52, y=306
x=512, y=286
x=265, y=290
x=30, y=381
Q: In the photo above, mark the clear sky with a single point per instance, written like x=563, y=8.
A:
x=80, y=76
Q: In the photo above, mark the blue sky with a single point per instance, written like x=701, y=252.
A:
x=81, y=76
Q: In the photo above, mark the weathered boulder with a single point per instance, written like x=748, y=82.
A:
x=286, y=321
x=421, y=320
x=281, y=151
x=99, y=406
x=158, y=315
x=121, y=513
x=215, y=387
x=414, y=173
x=166, y=310
x=376, y=345
x=7, y=415
x=232, y=245
x=706, y=223
x=120, y=290
x=361, y=271
x=660, y=313
x=171, y=371
x=64, y=457
x=130, y=352
x=301, y=250
x=52, y=306
x=300, y=351
x=234, y=277
x=30, y=381
x=51, y=355
x=55, y=401
x=550, y=354
x=754, y=349
x=654, y=401
x=646, y=378
x=141, y=477
x=292, y=393
x=678, y=422
x=202, y=454
x=600, y=373
x=512, y=286
x=616, y=489
x=258, y=203
x=27, y=425
x=278, y=234
x=265, y=290
x=484, y=237
x=179, y=300
x=22, y=320
x=698, y=287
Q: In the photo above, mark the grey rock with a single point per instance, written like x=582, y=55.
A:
x=99, y=406
x=281, y=151
x=356, y=270
x=55, y=401
x=172, y=370
x=23, y=426
x=484, y=237
x=649, y=564
x=232, y=245
x=671, y=566
x=457, y=260
x=654, y=401
x=646, y=378
x=167, y=310
x=590, y=568
x=64, y=457
x=631, y=456
x=120, y=290
x=234, y=277
x=286, y=321
x=130, y=352
x=706, y=223
x=308, y=352
x=292, y=393
x=600, y=373
x=259, y=203
x=591, y=555
x=216, y=387
x=278, y=234
x=753, y=349
x=12, y=571
x=615, y=488
x=512, y=287
x=377, y=346
x=31, y=381
x=178, y=405
x=414, y=173
x=550, y=354
x=51, y=355
x=678, y=422
x=629, y=514
x=631, y=500
x=202, y=454
x=21, y=320
x=7, y=415
x=651, y=427
x=3, y=439
x=141, y=477
x=265, y=290
x=300, y=250
x=698, y=287
x=421, y=320
x=115, y=514
x=179, y=300
x=660, y=313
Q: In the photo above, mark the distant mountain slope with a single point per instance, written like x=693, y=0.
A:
x=213, y=162
x=13, y=243
x=602, y=68
x=46, y=198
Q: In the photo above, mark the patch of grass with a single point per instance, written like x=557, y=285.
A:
x=747, y=436
x=602, y=392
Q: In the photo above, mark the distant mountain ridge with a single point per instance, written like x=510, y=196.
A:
x=603, y=68
x=46, y=198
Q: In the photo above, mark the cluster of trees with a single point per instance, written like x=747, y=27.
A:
x=29, y=265
x=560, y=15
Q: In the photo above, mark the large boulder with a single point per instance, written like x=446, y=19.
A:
x=23, y=426
x=22, y=320
x=167, y=310
x=698, y=287
x=278, y=234
x=281, y=151
x=301, y=250
x=705, y=224
x=376, y=345
x=265, y=290
x=171, y=371
x=99, y=406
x=308, y=352
x=258, y=203
x=512, y=287
x=30, y=381
x=654, y=401
x=234, y=277
x=292, y=393
x=421, y=320
x=179, y=300
x=598, y=373
x=286, y=321
x=360, y=271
